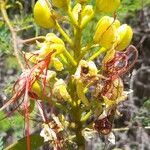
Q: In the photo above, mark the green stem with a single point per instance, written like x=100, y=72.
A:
x=64, y=34
x=77, y=44
x=85, y=49
x=72, y=19
x=85, y=117
x=98, y=53
x=63, y=58
x=78, y=129
x=71, y=59
x=79, y=138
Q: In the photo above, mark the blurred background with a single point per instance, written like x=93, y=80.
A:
x=135, y=111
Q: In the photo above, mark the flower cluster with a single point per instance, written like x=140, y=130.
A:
x=63, y=73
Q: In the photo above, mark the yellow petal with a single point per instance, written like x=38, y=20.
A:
x=106, y=32
x=57, y=64
x=86, y=15
x=125, y=36
x=60, y=90
x=42, y=15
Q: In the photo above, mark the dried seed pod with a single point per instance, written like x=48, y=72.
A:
x=103, y=126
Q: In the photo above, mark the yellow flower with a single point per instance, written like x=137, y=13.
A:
x=125, y=36
x=61, y=3
x=107, y=6
x=42, y=15
x=106, y=32
x=51, y=43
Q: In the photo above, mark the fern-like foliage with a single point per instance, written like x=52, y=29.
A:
x=1, y=143
x=4, y=37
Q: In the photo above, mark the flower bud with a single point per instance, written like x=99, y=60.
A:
x=86, y=13
x=42, y=15
x=106, y=32
x=61, y=3
x=36, y=88
x=76, y=10
x=107, y=6
x=125, y=36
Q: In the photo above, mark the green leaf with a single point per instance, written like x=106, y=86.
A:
x=36, y=141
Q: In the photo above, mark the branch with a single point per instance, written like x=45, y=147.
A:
x=13, y=33
x=64, y=34
x=127, y=128
x=33, y=40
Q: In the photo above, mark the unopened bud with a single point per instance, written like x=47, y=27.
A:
x=106, y=32
x=107, y=6
x=43, y=15
x=86, y=15
x=125, y=36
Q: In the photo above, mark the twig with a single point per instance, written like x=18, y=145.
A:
x=13, y=33
x=127, y=128
x=24, y=28
x=33, y=40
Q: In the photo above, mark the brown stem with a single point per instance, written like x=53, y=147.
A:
x=33, y=40
x=13, y=33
